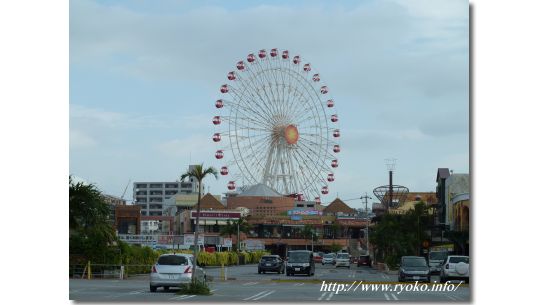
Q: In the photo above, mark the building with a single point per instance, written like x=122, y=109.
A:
x=112, y=202
x=127, y=219
x=150, y=196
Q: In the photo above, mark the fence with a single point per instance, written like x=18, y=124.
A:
x=107, y=271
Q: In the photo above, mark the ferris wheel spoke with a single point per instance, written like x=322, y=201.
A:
x=261, y=113
x=304, y=171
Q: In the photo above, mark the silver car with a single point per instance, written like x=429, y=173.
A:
x=455, y=267
x=328, y=259
x=173, y=270
x=342, y=260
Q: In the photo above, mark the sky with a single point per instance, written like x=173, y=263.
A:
x=144, y=77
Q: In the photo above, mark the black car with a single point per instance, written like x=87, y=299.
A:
x=414, y=268
x=300, y=261
x=364, y=260
x=271, y=263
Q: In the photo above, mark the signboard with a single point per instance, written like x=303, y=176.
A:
x=296, y=217
x=227, y=242
x=304, y=212
x=254, y=244
x=216, y=215
x=188, y=239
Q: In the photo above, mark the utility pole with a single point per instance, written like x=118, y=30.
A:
x=366, y=197
x=391, y=164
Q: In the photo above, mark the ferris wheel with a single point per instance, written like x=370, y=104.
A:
x=277, y=125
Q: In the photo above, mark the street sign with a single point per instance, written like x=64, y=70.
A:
x=188, y=239
x=227, y=242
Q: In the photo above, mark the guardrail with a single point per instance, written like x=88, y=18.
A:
x=106, y=271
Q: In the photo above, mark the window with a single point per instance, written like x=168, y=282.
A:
x=173, y=260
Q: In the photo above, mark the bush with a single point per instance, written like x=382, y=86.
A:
x=199, y=288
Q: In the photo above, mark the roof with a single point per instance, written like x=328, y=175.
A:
x=260, y=190
x=209, y=202
x=338, y=206
x=442, y=173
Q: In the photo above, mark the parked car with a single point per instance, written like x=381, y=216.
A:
x=318, y=257
x=342, y=260
x=455, y=267
x=436, y=259
x=364, y=260
x=414, y=268
x=300, y=261
x=328, y=258
x=271, y=263
x=174, y=270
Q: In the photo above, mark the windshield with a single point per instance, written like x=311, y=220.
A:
x=345, y=256
x=299, y=257
x=438, y=256
x=174, y=260
x=457, y=259
x=269, y=258
x=414, y=262
x=328, y=255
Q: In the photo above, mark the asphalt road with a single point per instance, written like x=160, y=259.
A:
x=245, y=284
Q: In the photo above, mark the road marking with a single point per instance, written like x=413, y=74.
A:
x=256, y=295
x=299, y=284
x=394, y=297
x=330, y=296
x=250, y=283
x=182, y=297
x=386, y=296
x=322, y=295
x=263, y=296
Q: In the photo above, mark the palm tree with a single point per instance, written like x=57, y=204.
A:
x=199, y=173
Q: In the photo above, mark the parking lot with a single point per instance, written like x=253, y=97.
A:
x=243, y=283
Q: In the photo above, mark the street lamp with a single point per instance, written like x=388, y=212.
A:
x=366, y=197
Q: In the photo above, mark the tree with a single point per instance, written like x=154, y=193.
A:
x=89, y=232
x=231, y=228
x=199, y=173
x=308, y=233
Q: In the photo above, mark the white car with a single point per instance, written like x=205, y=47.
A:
x=173, y=270
x=455, y=267
x=328, y=259
x=342, y=260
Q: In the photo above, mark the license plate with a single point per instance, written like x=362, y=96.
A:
x=297, y=269
x=416, y=278
x=267, y=264
x=173, y=277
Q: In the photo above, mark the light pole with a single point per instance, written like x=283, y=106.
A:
x=366, y=197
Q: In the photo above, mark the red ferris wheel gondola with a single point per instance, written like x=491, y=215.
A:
x=307, y=68
x=216, y=120
x=324, y=90
x=224, y=89
x=285, y=54
x=216, y=137
x=334, y=118
x=262, y=54
x=334, y=163
x=231, y=75
x=274, y=52
x=231, y=185
x=336, y=133
x=336, y=148
x=325, y=190
x=224, y=170
x=296, y=59
x=251, y=57
x=330, y=177
x=330, y=103
x=317, y=200
x=219, y=154
x=219, y=104
x=240, y=65
x=316, y=78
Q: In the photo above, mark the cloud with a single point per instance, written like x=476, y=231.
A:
x=78, y=139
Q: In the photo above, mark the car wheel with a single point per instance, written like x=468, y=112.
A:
x=263, y=271
x=429, y=279
x=166, y=288
x=259, y=271
x=152, y=288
